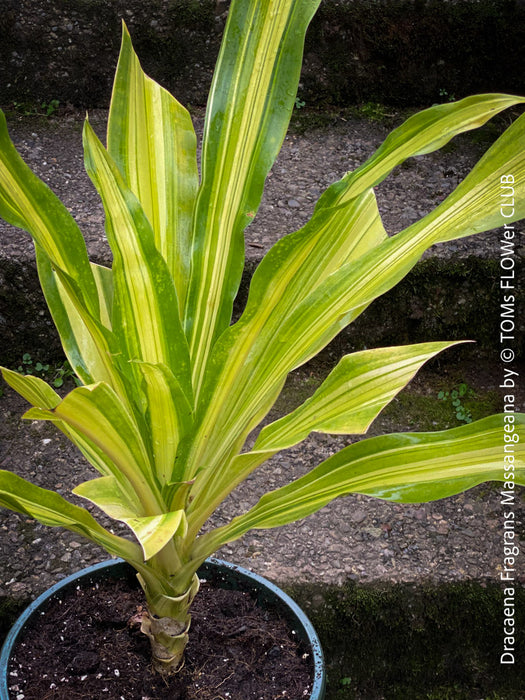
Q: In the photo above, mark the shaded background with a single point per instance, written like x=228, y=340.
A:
x=397, y=52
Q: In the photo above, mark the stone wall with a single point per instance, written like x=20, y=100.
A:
x=399, y=52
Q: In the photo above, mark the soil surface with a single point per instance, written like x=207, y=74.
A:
x=88, y=645
x=356, y=537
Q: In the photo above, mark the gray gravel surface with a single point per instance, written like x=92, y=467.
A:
x=307, y=165
x=355, y=537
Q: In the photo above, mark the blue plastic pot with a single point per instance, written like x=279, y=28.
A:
x=222, y=574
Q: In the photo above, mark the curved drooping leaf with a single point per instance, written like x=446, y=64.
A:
x=250, y=103
x=153, y=532
x=98, y=414
x=90, y=346
x=27, y=202
x=420, y=134
x=152, y=141
x=51, y=509
x=349, y=399
x=406, y=468
x=41, y=396
x=352, y=396
x=254, y=356
x=33, y=389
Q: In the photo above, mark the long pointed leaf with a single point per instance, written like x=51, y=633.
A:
x=280, y=343
x=411, y=467
x=51, y=509
x=27, y=202
x=97, y=413
x=152, y=140
x=250, y=103
x=145, y=318
x=352, y=395
x=32, y=389
x=349, y=399
x=422, y=133
x=88, y=343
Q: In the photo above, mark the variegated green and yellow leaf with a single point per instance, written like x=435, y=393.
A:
x=152, y=141
x=352, y=395
x=33, y=389
x=251, y=99
x=98, y=414
x=349, y=399
x=410, y=467
x=422, y=133
x=90, y=346
x=145, y=306
x=346, y=223
x=27, y=202
x=473, y=207
x=104, y=280
x=295, y=264
x=156, y=531
x=41, y=396
x=51, y=509
x=152, y=532
x=253, y=358
x=169, y=417
x=106, y=493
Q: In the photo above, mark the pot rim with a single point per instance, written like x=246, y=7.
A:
x=218, y=567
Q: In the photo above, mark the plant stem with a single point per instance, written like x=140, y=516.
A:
x=167, y=622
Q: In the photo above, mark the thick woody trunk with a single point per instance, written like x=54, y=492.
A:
x=168, y=639
x=167, y=624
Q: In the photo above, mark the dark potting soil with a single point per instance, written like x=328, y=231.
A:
x=87, y=646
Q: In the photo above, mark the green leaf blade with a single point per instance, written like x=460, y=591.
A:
x=27, y=202
x=33, y=389
x=98, y=414
x=251, y=100
x=169, y=418
x=51, y=509
x=352, y=396
x=88, y=343
x=152, y=532
x=280, y=330
x=152, y=140
x=145, y=305
x=406, y=468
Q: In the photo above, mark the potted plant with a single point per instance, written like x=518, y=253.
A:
x=170, y=388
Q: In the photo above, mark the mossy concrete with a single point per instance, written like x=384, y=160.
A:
x=439, y=299
x=406, y=642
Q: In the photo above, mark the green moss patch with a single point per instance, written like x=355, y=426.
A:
x=405, y=642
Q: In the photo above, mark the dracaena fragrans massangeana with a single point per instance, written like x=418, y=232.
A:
x=170, y=388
